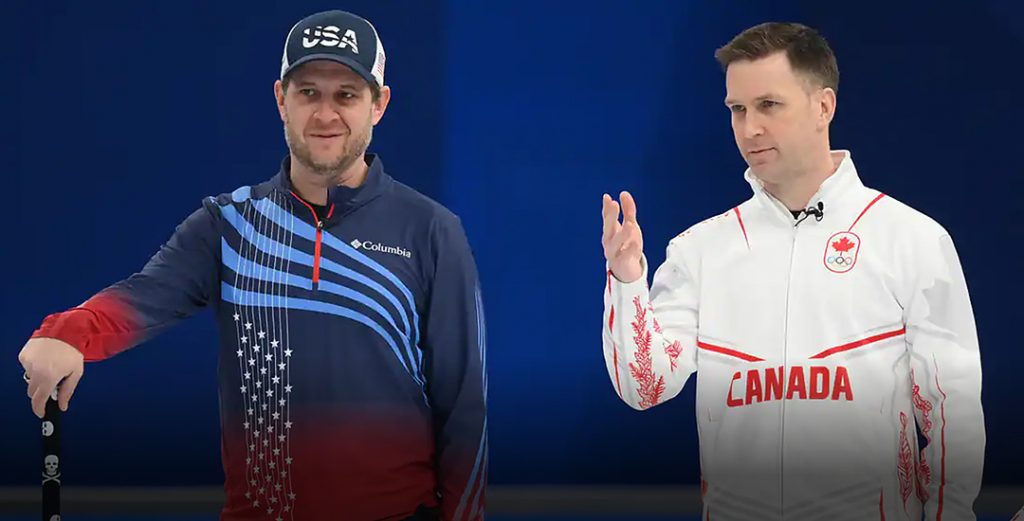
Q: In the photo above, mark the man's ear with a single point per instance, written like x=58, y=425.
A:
x=381, y=104
x=279, y=92
x=826, y=107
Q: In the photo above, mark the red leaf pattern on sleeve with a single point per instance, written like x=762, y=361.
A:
x=905, y=465
x=924, y=472
x=674, y=349
x=649, y=387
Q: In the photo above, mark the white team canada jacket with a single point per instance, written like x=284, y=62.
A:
x=824, y=350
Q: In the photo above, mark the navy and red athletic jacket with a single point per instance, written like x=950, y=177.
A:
x=352, y=348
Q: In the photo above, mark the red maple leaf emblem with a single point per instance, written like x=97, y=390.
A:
x=843, y=245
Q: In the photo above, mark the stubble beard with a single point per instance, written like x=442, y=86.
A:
x=330, y=171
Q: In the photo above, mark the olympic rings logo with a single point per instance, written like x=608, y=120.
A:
x=841, y=252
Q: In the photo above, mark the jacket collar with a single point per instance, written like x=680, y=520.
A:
x=345, y=199
x=842, y=182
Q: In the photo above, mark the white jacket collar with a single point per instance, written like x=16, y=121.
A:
x=843, y=181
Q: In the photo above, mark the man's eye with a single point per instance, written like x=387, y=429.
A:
x=737, y=109
x=307, y=92
x=768, y=104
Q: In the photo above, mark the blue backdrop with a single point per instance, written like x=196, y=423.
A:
x=518, y=115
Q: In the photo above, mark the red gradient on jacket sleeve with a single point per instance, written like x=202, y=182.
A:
x=365, y=465
x=100, y=328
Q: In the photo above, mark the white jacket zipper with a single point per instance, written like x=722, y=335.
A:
x=785, y=363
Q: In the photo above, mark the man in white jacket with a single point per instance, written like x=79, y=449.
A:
x=840, y=376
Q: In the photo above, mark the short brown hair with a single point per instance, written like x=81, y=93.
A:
x=807, y=51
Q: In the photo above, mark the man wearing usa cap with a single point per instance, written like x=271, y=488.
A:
x=830, y=324
x=352, y=343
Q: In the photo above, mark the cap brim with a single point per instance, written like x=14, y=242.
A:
x=344, y=60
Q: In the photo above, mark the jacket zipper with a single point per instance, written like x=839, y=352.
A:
x=319, y=238
x=785, y=365
x=785, y=355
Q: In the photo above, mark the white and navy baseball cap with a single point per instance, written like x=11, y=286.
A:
x=337, y=36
